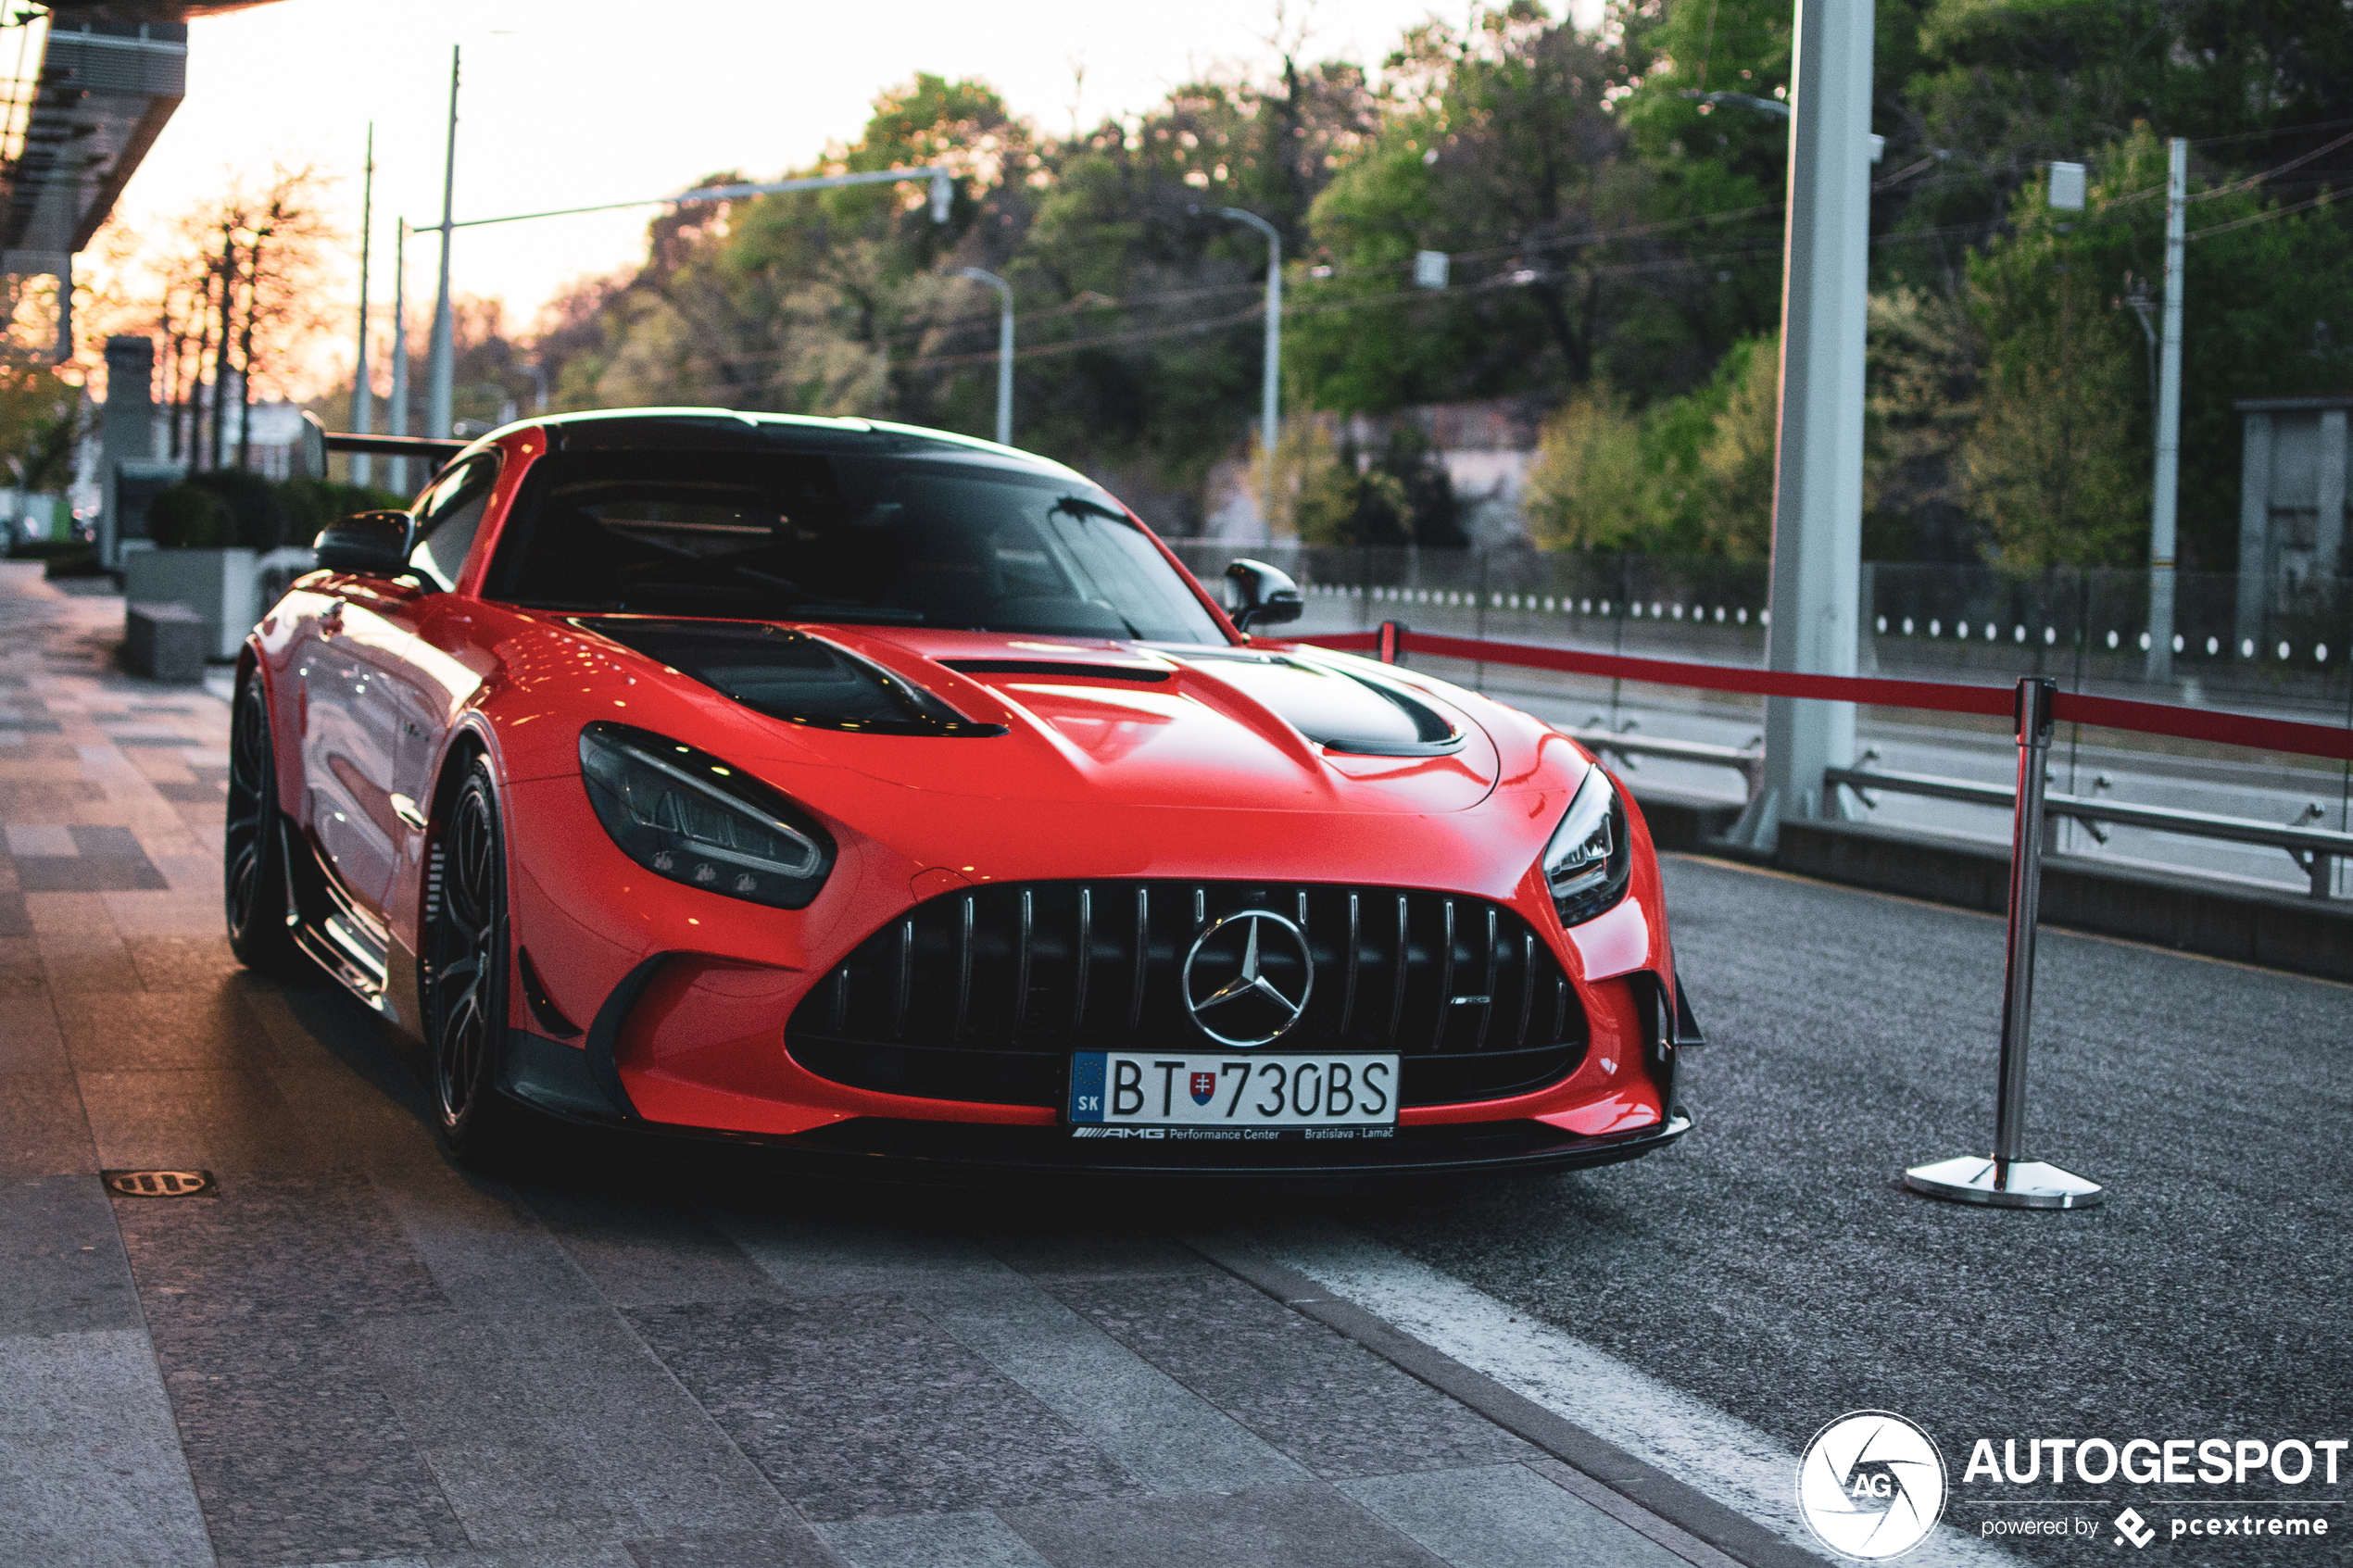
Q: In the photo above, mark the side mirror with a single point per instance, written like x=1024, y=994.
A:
x=1263, y=595
x=371, y=544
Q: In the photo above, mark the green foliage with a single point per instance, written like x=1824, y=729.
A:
x=2059, y=460
x=76, y=559
x=190, y=516
x=1692, y=475
x=229, y=507
x=309, y=505
x=255, y=506
x=1610, y=201
x=1401, y=495
x=1592, y=486
x=40, y=421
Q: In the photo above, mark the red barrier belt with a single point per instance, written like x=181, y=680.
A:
x=1938, y=697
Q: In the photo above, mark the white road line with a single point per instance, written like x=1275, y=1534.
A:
x=1727, y=1458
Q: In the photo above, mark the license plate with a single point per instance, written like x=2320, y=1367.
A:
x=1154, y=1094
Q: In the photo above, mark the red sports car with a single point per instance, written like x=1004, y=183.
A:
x=892, y=796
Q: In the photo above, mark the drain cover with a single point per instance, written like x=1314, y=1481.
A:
x=162, y=1184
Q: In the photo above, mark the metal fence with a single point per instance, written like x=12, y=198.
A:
x=2087, y=628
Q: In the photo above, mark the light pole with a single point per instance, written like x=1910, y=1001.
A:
x=2159, y=666
x=941, y=178
x=396, y=469
x=1004, y=349
x=363, y=396
x=1269, y=407
x=443, y=350
x=1818, y=479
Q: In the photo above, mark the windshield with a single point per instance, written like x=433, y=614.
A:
x=810, y=536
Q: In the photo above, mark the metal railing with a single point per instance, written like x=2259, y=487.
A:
x=1748, y=761
x=2315, y=850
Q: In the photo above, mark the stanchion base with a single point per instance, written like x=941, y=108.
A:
x=2019, y=1184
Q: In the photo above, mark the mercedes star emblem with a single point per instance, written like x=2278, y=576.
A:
x=1268, y=1011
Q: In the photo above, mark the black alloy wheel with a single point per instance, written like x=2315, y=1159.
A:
x=253, y=876
x=470, y=958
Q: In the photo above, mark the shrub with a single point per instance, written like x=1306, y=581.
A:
x=190, y=516
x=258, y=514
x=310, y=504
x=77, y=560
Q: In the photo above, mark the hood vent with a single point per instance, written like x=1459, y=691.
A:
x=790, y=675
x=1337, y=708
x=1058, y=669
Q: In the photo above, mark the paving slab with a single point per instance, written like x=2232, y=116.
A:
x=297, y=1452
x=860, y=1406
x=977, y=1540
x=43, y=1129
x=1304, y=1526
x=559, y=1426
x=1503, y=1516
x=63, y=1259
x=91, y=1470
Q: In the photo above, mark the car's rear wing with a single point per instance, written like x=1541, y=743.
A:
x=436, y=452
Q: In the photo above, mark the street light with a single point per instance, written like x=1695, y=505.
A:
x=363, y=393
x=941, y=178
x=1268, y=410
x=444, y=351
x=1004, y=349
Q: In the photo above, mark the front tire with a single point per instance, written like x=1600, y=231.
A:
x=253, y=874
x=470, y=957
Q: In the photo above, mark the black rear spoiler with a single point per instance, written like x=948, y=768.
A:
x=436, y=452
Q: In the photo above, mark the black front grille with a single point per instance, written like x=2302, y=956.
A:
x=982, y=996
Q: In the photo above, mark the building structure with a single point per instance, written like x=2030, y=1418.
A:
x=2293, y=457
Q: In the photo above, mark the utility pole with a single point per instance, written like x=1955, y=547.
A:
x=1004, y=349
x=1817, y=481
x=220, y=353
x=443, y=350
x=1269, y=409
x=363, y=396
x=396, y=469
x=2168, y=425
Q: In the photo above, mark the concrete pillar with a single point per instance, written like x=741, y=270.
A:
x=1818, y=487
x=126, y=430
x=2328, y=530
x=2254, y=529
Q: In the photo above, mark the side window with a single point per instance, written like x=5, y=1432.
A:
x=450, y=515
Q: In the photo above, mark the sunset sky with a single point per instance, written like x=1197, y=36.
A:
x=568, y=103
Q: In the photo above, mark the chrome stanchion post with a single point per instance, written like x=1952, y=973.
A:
x=2010, y=1180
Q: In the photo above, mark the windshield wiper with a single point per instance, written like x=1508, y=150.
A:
x=1079, y=505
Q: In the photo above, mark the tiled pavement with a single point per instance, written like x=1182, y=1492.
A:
x=355, y=1352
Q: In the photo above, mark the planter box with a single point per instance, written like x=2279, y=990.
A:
x=216, y=585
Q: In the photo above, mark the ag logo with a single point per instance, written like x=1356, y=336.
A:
x=1248, y=977
x=1871, y=1485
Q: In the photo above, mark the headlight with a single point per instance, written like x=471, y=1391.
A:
x=685, y=815
x=1590, y=859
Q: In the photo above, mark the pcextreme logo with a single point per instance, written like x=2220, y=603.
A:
x=1870, y=1486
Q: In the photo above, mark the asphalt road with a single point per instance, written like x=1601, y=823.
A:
x=1772, y=1265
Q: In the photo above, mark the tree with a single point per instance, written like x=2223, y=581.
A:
x=236, y=289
